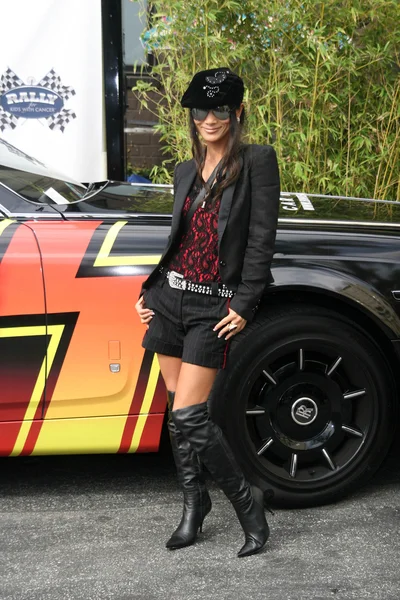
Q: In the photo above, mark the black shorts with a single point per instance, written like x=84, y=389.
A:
x=183, y=325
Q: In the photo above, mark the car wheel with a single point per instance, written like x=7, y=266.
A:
x=307, y=402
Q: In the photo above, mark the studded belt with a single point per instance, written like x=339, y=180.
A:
x=177, y=281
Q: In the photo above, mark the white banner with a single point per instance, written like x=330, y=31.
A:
x=51, y=84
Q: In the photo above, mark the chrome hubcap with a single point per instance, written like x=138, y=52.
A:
x=308, y=412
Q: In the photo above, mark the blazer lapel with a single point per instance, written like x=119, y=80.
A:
x=225, y=207
x=181, y=194
x=182, y=191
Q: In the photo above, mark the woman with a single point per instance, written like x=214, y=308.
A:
x=206, y=288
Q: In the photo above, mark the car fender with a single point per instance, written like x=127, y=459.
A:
x=345, y=287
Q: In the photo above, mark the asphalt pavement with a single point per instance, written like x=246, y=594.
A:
x=94, y=528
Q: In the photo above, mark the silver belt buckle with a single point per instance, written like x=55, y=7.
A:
x=176, y=280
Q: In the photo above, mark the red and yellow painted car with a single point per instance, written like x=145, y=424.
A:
x=74, y=377
x=310, y=394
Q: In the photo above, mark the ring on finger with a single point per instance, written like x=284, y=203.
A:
x=231, y=326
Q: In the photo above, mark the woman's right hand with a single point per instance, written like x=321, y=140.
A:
x=145, y=314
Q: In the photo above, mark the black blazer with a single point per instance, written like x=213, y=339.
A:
x=247, y=223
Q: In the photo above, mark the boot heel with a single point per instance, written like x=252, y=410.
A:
x=191, y=523
x=208, y=507
x=207, y=510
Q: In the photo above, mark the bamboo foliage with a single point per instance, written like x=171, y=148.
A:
x=322, y=85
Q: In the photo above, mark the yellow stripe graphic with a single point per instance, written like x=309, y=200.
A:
x=104, y=259
x=146, y=405
x=4, y=224
x=89, y=435
x=55, y=332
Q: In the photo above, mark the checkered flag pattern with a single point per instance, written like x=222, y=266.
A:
x=9, y=80
x=61, y=120
x=53, y=82
x=7, y=121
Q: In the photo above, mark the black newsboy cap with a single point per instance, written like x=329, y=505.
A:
x=214, y=87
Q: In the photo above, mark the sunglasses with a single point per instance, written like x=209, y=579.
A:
x=220, y=112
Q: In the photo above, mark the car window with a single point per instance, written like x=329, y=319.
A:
x=134, y=198
x=14, y=204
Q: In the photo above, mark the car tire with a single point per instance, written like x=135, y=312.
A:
x=307, y=402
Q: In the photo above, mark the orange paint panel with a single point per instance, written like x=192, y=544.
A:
x=21, y=276
x=23, y=341
x=87, y=409
x=114, y=350
x=86, y=386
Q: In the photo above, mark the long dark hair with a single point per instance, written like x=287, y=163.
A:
x=229, y=169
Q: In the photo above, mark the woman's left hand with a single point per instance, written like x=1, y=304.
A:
x=230, y=325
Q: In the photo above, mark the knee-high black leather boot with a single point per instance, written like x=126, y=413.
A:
x=209, y=443
x=196, y=500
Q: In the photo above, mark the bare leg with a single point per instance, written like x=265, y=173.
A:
x=194, y=385
x=170, y=368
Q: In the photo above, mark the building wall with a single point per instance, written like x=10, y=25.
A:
x=143, y=148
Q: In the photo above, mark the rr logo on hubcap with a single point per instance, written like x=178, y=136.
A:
x=304, y=411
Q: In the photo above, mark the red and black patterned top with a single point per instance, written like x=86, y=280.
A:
x=197, y=254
